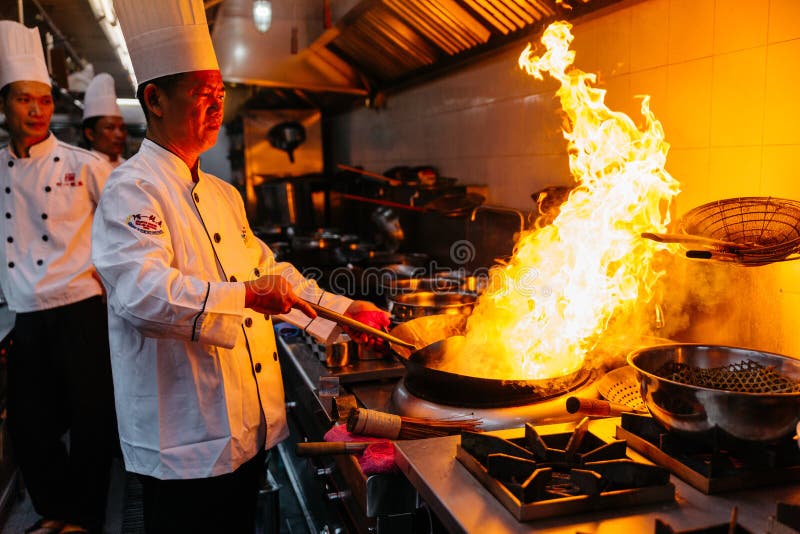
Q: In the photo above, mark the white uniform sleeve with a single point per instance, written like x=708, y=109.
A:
x=157, y=299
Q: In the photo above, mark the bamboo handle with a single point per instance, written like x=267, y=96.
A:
x=390, y=181
x=597, y=407
x=358, y=325
x=326, y=448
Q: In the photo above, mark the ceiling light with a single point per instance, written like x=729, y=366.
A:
x=262, y=14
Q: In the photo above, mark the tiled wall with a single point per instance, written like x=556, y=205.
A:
x=723, y=76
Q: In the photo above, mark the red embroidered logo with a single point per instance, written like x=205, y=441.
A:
x=69, y=180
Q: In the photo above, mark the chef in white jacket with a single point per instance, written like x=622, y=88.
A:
x=103, y=128
x=190, y=292
x=59, y=375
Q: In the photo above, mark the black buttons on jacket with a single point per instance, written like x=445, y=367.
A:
x=233, y=278
x=39, y=262
x=44, y=216
x=11, y=265
x=56, y=159
x=217, y=238
x=248, y=322
x=10, y=163
x=275, y=356
x=196, y=197
x=256, y=272
x=45, y=238
x=10, y=239
x=258, y=367
x=8, y=190
x=47, y=189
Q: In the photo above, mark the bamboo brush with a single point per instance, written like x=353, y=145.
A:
x=385, y=425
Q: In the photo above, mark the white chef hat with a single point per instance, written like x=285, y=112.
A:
x=21, y=54
x=101, y=98
x=166, y=37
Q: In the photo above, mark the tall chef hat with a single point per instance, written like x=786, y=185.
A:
x=166, y=37
x=101, y=98
x=21, y=54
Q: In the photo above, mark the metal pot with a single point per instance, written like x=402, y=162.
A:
x=440, y=333
x=701, y=412
x=404, y=307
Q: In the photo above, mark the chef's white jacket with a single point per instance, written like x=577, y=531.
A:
x=47, y=202
x=107, y=159
x=196, y=373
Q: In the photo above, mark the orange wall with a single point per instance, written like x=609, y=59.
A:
x=723, y=76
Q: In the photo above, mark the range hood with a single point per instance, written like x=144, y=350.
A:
x=381, y=45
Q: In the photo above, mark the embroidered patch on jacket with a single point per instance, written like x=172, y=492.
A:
x=69, y=180
x=146, y=223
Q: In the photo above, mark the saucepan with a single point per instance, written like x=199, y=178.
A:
x=439, y=335
x=703, y=412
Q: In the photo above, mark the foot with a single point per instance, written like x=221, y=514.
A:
x=45, y=526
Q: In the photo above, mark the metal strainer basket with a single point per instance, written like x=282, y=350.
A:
x=622, y=387
x=760, y=230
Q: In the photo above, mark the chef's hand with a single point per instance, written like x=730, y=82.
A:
x=273, y=295
x=369, y=314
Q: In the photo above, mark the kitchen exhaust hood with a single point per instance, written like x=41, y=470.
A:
x=380, y=45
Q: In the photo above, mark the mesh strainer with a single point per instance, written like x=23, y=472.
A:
x=622, y=387
x=761, y=229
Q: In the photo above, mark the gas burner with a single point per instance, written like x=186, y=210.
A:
x=712, y=466
x=548, y=475
x=550, y=410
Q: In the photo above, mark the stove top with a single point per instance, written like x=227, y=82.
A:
x=712, y=467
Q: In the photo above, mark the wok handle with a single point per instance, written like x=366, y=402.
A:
x=358, y=325
x=690, y=240
x=326, y=448
x=596, y=407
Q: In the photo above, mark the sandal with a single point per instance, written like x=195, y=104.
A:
x=45, y=526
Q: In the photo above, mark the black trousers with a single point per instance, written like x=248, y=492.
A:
x=59, y=380
x=225, y=503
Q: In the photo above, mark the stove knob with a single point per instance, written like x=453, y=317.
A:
x=337, y=495
x=324, y=471
x=291, y=404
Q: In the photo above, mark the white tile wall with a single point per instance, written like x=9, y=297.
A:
x=723, y=76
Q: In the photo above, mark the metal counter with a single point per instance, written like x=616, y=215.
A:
x=463, y=504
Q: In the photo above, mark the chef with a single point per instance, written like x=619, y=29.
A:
x=103, y=128
x=59, y=376
x=192, y=293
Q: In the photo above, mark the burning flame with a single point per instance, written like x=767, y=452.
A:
x=589, y=273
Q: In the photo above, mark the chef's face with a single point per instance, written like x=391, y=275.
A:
x=193, y=109
x=108, y=136
x=28, y=108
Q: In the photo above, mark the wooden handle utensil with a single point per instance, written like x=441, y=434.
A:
x=358, y=325
x=326, y=448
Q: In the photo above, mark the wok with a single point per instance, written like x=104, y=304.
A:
x=439, y=333
x=703, y=412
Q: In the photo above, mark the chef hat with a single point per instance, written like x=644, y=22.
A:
x=21, y=54
x=101, y=98
x=166, y=37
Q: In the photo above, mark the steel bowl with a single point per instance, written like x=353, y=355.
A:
x=704, y=412
x=407, y=306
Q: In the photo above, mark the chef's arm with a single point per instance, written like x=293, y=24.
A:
x=135, y=267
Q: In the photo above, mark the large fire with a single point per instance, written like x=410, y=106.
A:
x=589, y=271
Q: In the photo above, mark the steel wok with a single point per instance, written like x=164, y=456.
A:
x=435, y=334
x=702, y=412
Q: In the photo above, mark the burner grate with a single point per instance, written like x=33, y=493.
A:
x=714, y=465
x=559, y=474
